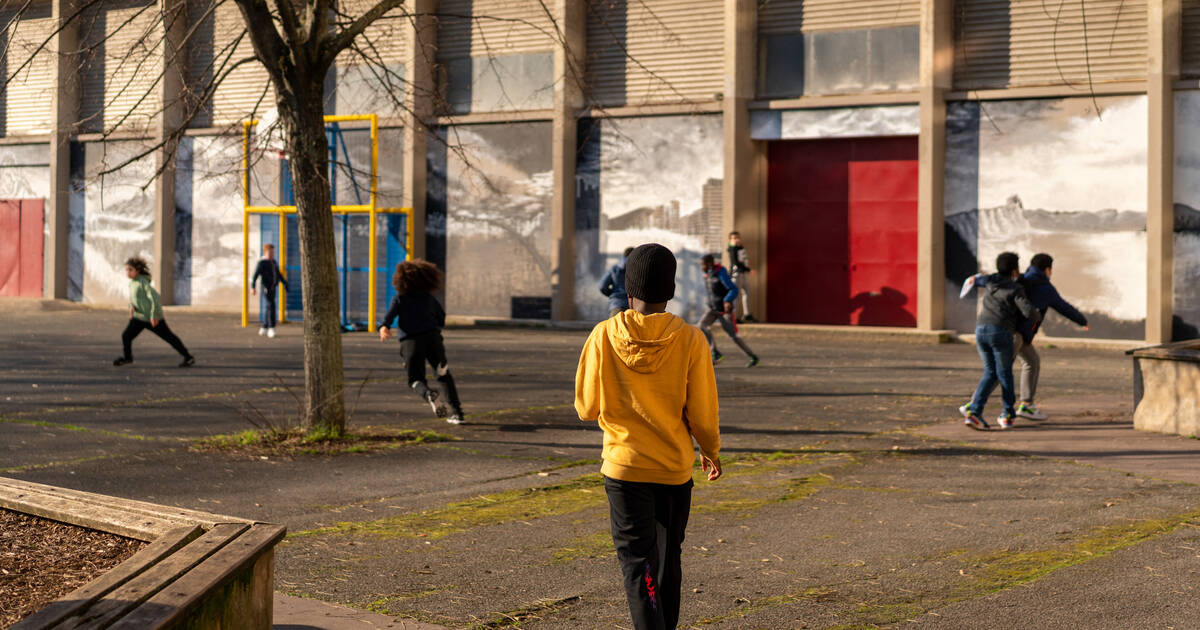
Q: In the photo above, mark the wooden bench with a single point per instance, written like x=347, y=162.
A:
x=199, y=571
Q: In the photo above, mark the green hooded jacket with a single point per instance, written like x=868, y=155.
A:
x=144, y=299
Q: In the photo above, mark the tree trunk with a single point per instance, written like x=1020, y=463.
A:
x=325, y=412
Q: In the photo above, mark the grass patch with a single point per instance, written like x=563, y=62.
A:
x=61, y=426
x=1003, y=569
x=492, y=509
x=596, y=545
x=292, y=442
x=533, y=612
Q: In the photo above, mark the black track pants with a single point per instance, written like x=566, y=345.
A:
x=135, y=328
x=648, y=521
x=429, y=347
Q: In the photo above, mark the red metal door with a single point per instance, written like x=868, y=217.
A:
x=841, y=231
x=883, y=243
x=21, y=247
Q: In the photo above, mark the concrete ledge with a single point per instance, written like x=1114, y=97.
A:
x=1040, y=341
x=900, y=335
x=199, y=571
x=480, y=321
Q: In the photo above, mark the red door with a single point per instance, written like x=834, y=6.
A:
x=21, y=248
x=841, y=231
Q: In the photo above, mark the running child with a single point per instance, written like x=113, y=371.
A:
x=1004, y=304
x=420, y=319
x=612, y=285
x=145, y=311
x=721, y=294
x=739, y=270
x=644, y=376
x=272, y=276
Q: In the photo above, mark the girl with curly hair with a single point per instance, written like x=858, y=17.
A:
x=145, y=311
x=420, y=319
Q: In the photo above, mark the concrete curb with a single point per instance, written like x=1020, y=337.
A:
x=1074, y=342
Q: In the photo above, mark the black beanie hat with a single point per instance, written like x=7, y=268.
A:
x=650, y=274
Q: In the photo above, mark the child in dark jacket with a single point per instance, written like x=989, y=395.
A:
x=145, y=311
x=272, y=277
x=1044, y=297
x=1004, y=305
x=420, y=318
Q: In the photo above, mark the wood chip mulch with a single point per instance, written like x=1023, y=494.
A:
x=42, y=560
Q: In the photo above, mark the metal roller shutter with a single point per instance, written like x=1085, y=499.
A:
x=29, y=94
x=790, y=16
x=655, y=51
x=120, y=80
x=496, y=27
x=382, y=43
x=1190, y=67
x=210, y=51
x=1031, y=42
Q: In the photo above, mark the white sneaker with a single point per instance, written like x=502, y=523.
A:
x=1030, y=411
x=1005, y=421
x=454, y=419
x=262, y=331
x=271, y=333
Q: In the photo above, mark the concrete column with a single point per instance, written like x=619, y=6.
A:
x=64, y=112
x=167, y=124
x=421, y=34
x=936, y=76
x=569, y=51
x=741, y=209
x=1164, y=53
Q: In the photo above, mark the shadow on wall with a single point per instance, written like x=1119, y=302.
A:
x=884, y=307
x=607, y=37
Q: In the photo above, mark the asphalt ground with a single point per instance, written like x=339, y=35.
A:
x=852, y=498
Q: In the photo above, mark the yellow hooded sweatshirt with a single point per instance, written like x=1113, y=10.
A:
x=649, y=380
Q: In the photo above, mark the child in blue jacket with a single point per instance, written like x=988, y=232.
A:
x=1044, y=297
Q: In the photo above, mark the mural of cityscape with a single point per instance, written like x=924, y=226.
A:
x=647, y=180
x=1017, y=180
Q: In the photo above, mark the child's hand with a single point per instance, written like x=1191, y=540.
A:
x=711, y=466
x=153, y=322
x=384, y=333
x=252, y=291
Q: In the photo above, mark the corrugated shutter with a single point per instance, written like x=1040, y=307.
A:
x=777, y=17
x=209, y=52
x=662, y=51
x=120, y=79
x=1031, y=42
x=29, y=94
x=498, y=27
x=1190, y=66
x=383, y=42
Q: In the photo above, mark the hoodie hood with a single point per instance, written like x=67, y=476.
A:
x=1035, y=275
x=642, y=341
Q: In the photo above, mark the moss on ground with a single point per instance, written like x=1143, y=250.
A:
x=290, y=442
x=595, y=545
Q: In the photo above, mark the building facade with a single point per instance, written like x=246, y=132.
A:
x=872, y=154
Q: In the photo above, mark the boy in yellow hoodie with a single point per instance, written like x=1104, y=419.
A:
x=646, y=376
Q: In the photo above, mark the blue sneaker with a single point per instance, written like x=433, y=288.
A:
x=975, y=422
x=1005, y=421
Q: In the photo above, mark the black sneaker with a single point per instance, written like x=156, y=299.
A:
x=435, y=402
x=188, y=361
x=717, y=357
x=753, y=361
x=748, y=319
x=121, y=361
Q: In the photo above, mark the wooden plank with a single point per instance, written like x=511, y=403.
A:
x=120, y=601
x=101, y=505
x=66, y=510
x=172, y=604
x=135, y=565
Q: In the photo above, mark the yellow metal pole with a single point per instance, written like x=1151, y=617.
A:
x=282, y=263
x=245, y=221
x=408, y=233
x=371, y=248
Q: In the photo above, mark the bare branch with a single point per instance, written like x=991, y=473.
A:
x=342, y=40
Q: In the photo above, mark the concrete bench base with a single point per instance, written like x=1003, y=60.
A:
x=1167, y=388
x=199, y=570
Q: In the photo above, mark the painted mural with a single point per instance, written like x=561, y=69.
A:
x=1054, y=176
x=647, y=180
x=111, y=219
x=208, y=222
x=488, y=218
x=1187, y=215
